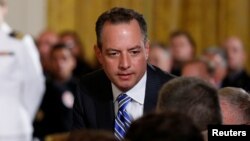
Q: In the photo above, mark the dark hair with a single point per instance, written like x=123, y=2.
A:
x=2, y=2
x=60, y=46
x=193, y=97
x=238, y=98
x=91, y=135
x=74, y=36
x=167, y=126
x=186, y=34
x=119, y=15
x=77, y=43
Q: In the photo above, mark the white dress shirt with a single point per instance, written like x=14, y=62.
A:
x=137, y=94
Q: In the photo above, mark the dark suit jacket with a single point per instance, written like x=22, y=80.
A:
x=240, y=80
x=94, y=107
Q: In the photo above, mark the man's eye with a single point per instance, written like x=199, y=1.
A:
x=113, y=53
x=135, y=52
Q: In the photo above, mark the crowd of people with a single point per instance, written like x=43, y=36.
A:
x=222, y=65
x=141, y=91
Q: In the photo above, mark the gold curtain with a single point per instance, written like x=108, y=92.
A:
x=208, y=21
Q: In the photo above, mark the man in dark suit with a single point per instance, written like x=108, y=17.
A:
x=122, y=49
x=236, y=54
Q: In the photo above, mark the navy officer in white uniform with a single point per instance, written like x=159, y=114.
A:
x=21, y=89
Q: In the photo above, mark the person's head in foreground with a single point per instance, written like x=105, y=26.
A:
x=91, y=135
x=235, y=105
x=193, y=97
x=164, y=126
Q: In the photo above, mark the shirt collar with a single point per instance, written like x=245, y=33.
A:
x=137, y=93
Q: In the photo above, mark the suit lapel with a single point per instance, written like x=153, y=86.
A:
x=105, y=115
x=152, y=87
x=104, y=105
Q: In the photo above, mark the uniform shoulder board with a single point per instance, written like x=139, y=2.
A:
x=17, y=35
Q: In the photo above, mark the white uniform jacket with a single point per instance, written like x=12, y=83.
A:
x=21, y=88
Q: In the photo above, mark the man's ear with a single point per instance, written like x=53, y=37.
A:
x=98, y=53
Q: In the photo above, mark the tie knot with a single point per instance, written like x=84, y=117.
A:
x=123, y=100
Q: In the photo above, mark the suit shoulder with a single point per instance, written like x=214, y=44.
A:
x=92, y=77
x=94, y=80
x=95, y=83
x=160, y=73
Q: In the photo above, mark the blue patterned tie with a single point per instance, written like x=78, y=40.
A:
x=123, y=119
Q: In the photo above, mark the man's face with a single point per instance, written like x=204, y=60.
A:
x=45, y=42
x=235, y=52
x=195, y=70
x=220, y=66
x=62, y=63
x=181, y=49
x=160, y=58
x=3, y=12
x=69, y=41
x=198, y=70
x=124, y=53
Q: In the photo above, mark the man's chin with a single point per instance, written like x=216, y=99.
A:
x=124, y=87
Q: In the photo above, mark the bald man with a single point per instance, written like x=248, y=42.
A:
x=235, y=105
x=237, y=75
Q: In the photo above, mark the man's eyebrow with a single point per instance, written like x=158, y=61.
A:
x=134, y=48
x=110, y=49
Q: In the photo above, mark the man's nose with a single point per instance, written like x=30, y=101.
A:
x=125, y=62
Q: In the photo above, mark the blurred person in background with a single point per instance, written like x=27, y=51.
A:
x=217, y=57
x=45, y=41
x=235, y=106
x=55, y=113
x=160, y=56
x=236, y=55
x=21, y=90
x=199, y=68
x=182, y=48
x=73, y=41
x=26, y=39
